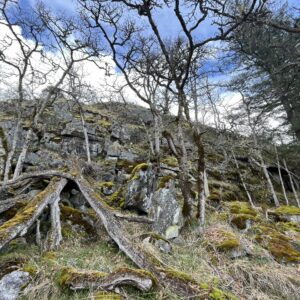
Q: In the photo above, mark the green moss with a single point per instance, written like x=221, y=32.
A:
x=215, y=293
x=163, y=181
x=170, y=161
x=287, y=210
x=30, y=268
x=107, y=184
x=126, y=165
x=67, y=276
x=279, y=245
x=49, y=255
x=135, y=172
x=222, y=239
x=288, y=226
x=244, y=208
x=240, y=220
x=178, y=275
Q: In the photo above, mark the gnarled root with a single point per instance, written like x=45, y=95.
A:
x=78, y=280
x=24, y=219
x=54, y=236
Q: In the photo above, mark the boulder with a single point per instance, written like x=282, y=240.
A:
x=12, y=283
x=167, y=212
x=139, y=191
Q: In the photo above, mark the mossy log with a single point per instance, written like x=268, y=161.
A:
x=79, y=280
x=23, y=220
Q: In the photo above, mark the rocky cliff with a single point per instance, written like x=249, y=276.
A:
x=67, y=228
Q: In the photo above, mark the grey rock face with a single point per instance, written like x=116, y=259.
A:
x=167, y=213
x=11, y=284
x=140, y=191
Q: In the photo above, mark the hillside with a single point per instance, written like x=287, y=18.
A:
x=112, y=229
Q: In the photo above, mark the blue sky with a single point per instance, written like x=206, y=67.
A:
x=168, y=24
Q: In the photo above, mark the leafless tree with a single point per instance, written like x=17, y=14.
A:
x=61, y=32
x=18, y=65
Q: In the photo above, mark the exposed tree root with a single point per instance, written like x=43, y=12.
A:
x=54, y=236
x=23, y=220
x=5, y=205
x=78, y=280
x=178, y=282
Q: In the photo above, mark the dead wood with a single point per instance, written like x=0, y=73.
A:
x=24, y=219
x=78, y=280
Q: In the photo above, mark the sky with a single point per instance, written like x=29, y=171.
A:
x=97, y=77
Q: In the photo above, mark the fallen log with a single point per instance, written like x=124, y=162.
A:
x=24, y=219
x=78, y=280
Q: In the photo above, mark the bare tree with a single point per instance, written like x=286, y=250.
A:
x=61, y=32
x=19, y=65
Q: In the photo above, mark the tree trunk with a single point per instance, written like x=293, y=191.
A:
x=86, y=137
x=292, y=184
x=22, y=156
x=242, y=180
x=280, y=177
x=269, y=183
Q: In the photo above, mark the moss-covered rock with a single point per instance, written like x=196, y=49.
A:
x=242, y=214
x=281, y=246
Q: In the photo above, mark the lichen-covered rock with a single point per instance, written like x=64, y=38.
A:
x=139, y=191
x=12, y=283
x=167, y=212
